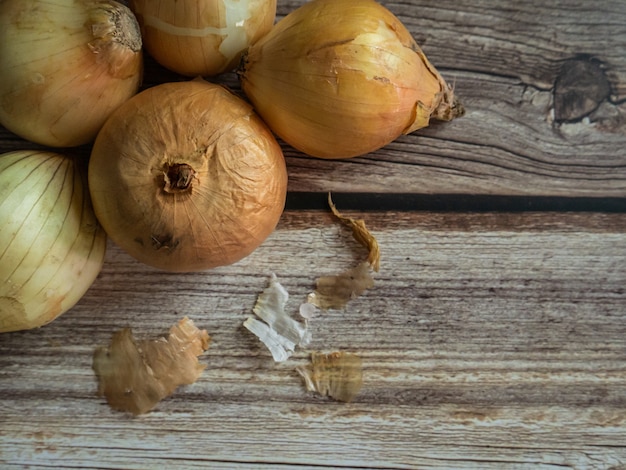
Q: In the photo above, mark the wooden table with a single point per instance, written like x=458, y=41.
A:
x=495, y=334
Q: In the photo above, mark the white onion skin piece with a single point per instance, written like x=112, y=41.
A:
x=234, y=201
x=51, y=245
x=202, y=37
x=65, y=65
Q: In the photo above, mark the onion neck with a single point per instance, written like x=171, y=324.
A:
x=116, y=36
x=449, y=108
x=178, y=177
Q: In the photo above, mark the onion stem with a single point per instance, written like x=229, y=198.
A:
x=178, y=177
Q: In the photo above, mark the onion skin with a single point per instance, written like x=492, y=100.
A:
x=341, y=78
x=51, y=245
x=202, y=37
x=65, y=65
x=186, y=177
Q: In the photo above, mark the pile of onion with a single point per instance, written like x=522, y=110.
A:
x=341, y=78
x=51, y=245
x=202, y=37
x=185, y=177
x=65, y=65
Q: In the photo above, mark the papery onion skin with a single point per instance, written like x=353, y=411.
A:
x=202, y=37
x=186, y=177
x=65, y=65
x=340, y=78
x=51, y=245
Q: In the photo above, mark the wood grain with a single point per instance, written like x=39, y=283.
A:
x=489, y=340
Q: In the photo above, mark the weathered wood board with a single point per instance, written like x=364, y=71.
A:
x=491, y=339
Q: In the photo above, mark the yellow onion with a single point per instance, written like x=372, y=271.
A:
x=340, y=78
x=185, y=176
x=202, y=37
x=51, y=245
x=65, y=65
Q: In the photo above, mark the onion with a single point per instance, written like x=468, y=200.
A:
x=202, y=37
x=51, y=246
x=65, y=65
x=340, y=78
x=185, y=177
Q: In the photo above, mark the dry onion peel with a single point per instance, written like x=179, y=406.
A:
x=135, y=376
x=361, y=234
x=65, y=65
x=51, y=245
x=185, y=177
x=339, y=78
x=334, y=292
x=338, y=375
x=278, y=331
x=202, y=37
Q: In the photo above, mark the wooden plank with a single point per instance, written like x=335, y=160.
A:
x=504, y=145
x=490, y=340
x=504, y=61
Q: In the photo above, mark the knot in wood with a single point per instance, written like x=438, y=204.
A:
x=580, y=87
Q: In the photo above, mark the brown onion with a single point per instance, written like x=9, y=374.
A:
x=340, y=78
x=202, y=37
x=65, y=65
x=185, y=177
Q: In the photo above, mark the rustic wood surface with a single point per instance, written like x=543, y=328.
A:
x=495, y=334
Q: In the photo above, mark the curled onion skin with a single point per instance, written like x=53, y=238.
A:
x=202, y=37
x=185, y=176
x=340, y=78
x=51, y=245
x=65, y=65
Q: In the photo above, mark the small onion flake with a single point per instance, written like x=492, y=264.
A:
x=361, y=234
x=338, y=375
x=135, y=376
x=334, y=292
x=278, y=331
